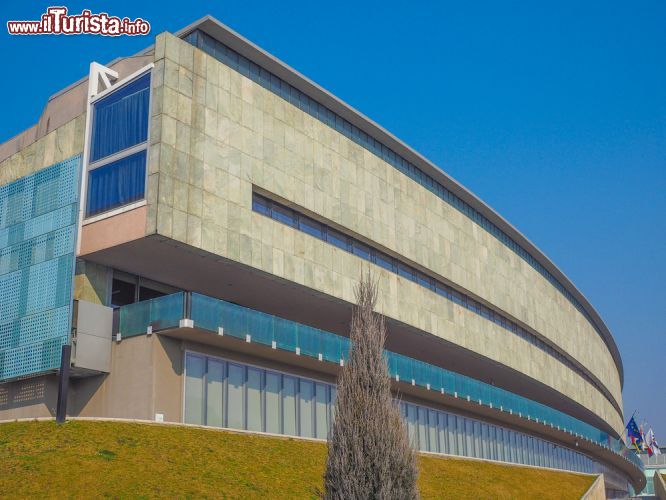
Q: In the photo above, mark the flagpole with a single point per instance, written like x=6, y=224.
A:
x=632, y=416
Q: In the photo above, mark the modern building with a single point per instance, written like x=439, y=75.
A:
x=192, y=221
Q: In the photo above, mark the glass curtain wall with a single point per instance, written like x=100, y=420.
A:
x=223, y=393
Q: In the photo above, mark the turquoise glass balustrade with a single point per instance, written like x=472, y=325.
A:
x=159, y=313
x=285, y=335
x=236, y=321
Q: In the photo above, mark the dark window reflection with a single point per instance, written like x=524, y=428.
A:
x=122, y=293
x=148, y=293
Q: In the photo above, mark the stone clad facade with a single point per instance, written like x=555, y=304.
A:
x=216, y=134
x=58, y=145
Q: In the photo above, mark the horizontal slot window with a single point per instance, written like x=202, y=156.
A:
x=284, y=215
x=311, y=227
x=337, y=239
x=321, y=231
x=385, y=262
x=361, y=250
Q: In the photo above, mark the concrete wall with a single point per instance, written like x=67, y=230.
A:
x=215, y=134
x=597, y=491
x=145, y=379
x=30, y=398
x=659, y=486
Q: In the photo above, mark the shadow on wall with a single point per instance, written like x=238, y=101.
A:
x=33, y=398
x=174, y=354
x=38, y=397
x=82, y=391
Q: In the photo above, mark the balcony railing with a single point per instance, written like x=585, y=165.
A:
x=161, y=313
x=655, y=460
x=232, y=320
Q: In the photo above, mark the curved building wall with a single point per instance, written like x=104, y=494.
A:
x=216, y=134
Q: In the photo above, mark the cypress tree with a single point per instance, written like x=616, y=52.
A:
x=369, y=456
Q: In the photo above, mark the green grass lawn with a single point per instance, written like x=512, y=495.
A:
x=83, y=459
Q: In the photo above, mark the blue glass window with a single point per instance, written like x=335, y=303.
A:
x=284, y=215
x=311, y=227
x=120, y=120
x=118, y=147
x=116, y=184
x=337, y=239
x=384, y=261
x=424, y=281
x=362, y=250
x=261, y=205
x=405, y=271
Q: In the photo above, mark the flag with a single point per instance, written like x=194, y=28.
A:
x=634, y=435
x=648, y=442
x=651, y=443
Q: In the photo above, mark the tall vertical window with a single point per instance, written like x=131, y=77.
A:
x=118, y=146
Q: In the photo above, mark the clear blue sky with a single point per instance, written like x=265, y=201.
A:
x=554, y=114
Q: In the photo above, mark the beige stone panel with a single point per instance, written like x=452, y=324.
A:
x=425, y=310
x=58, y=145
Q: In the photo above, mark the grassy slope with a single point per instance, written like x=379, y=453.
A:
x=99, y=459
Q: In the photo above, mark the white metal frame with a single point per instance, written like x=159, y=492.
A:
x=115, y=211
x=109, y=79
